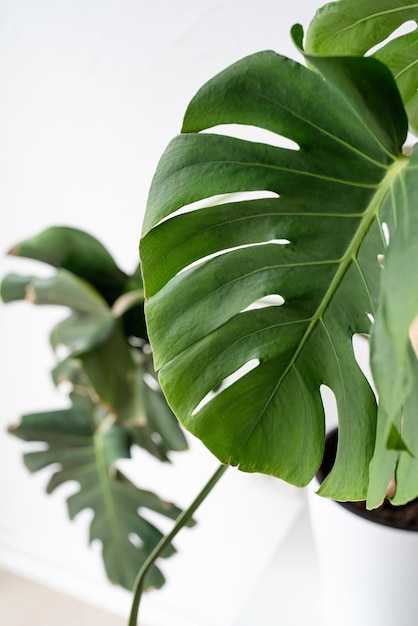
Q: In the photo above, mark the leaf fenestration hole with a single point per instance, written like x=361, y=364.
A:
x=381, y=260
x=386, y=233
x=270, y=300
x=403, y=29
x=227, y=382
x=361, y=348
x=135, y=540
x=254, y=134
x=330, y=406
x=150, y=381
x=281, y=242
x=219, y=199
x=413, y=334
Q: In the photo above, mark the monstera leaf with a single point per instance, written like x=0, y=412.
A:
x=394, y=364
x=252, y=300
x=103, y=355
x=87, y=454
x=83, y=256
x=357, y=28
x=94, y=335
x=77, y=252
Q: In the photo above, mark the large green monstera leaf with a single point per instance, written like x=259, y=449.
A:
x=252, y=299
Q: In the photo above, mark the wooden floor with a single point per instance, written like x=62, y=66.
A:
x=25, y=603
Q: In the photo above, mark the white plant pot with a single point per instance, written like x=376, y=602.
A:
x=369, y=571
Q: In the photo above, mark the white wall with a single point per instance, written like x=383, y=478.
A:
x=91, y=93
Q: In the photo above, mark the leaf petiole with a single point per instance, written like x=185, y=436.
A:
x=181, y=521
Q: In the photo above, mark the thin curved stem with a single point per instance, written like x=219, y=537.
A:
x=181, y=521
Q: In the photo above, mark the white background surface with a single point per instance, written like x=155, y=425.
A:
x=91, y=93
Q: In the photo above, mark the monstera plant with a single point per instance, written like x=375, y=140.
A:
x=263, y=259
x=264, y=255
x=115, y=402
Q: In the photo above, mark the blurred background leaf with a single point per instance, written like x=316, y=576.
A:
x=103, y=354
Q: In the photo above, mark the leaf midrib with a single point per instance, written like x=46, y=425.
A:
x=108, y=500
x=370, y=214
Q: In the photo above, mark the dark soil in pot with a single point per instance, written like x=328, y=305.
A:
x=404, y=517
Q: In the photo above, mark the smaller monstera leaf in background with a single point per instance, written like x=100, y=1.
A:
x=160, y=417
x=79, y=253
x=103, y=354
x=84, y=256
x=87, y=449
x=91, y=320
x=103, y=339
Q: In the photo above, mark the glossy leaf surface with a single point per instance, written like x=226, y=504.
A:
x=245, y=379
